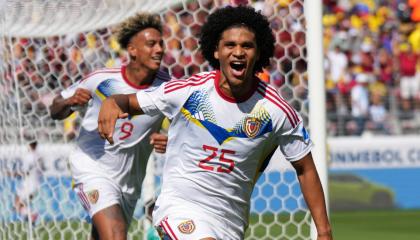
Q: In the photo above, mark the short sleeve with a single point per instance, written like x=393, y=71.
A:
x=294, y=142
x=153, y=101
x=68, y=92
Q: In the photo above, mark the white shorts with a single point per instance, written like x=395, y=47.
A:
x=99, y=184
x=186, y=228
x=188, y=222
x=100, y=193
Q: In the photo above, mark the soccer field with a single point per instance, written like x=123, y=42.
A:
x=364, y=225
x=376, y=225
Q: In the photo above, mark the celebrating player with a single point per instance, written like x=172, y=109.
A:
x=225, y=125
x=108, y=177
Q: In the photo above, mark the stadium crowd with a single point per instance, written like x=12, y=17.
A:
x=371, y=49
x=372, y=66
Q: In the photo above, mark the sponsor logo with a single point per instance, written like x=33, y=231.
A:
x=252, y=126
x=93, y=196
x=186, y=227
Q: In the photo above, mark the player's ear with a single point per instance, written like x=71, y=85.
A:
x=131, y=51
x=216, y=53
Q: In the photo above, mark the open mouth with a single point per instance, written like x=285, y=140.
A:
x=157, y=58
x=238, y=68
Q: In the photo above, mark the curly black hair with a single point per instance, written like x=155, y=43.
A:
x=135, y=24
x=225, y=18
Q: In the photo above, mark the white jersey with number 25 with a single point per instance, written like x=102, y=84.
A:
x=217, y=146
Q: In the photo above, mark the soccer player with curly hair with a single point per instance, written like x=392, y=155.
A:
x=108, y=178
x=225, y=126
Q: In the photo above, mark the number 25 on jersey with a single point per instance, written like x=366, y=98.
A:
x=217, y=157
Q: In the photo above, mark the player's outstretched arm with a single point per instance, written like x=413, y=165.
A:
x=61, y=108
x=314, y=195
x=113, y=108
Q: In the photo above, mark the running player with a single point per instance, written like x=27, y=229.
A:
x=225, y=125
x=108, y=177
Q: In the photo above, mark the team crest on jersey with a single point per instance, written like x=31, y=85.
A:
x=93, y=196
x=199, y=111
x=252, y=126
x=186, y=227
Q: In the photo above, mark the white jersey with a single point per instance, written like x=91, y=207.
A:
x=218, y=146
x=95, y=162
x=128, y=132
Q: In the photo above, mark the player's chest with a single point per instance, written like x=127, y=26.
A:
x=210, y=116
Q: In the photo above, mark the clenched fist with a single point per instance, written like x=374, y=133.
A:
x=80, y=97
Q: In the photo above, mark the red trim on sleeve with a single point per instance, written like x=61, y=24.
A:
x=192, y=81
x=271, y=95
x=273, y=92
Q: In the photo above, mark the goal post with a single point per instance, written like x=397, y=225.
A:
x=317, y=113
x=47, y=45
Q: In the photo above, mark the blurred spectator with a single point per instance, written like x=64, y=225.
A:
x=378, y=115
x=360, y=104
x=384, y=67
x=415, y=14
x=337, y=64
x=414, y=38
x=409, y=75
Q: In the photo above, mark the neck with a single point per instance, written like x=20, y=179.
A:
x=240, y=91
x=139, y=75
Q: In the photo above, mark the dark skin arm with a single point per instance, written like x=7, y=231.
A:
x=113, y=108
x=314, y=195
x=61, y=108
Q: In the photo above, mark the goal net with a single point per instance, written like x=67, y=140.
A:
x=45, y=46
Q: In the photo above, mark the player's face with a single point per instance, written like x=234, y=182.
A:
x=147, y=47
x=237, y=53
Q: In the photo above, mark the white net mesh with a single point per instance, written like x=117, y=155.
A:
x=42, y=18
x=47, y=45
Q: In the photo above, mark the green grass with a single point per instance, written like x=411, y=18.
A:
x=279, y=227
x=66, y=230
x=363, y=225
x=376, y=225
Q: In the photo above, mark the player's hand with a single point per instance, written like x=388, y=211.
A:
x=79, y=98
x=325, y=236
x=159, y=142
x=108, y=116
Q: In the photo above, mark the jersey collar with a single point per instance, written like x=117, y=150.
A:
x=231, y=99
x=124, y=75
